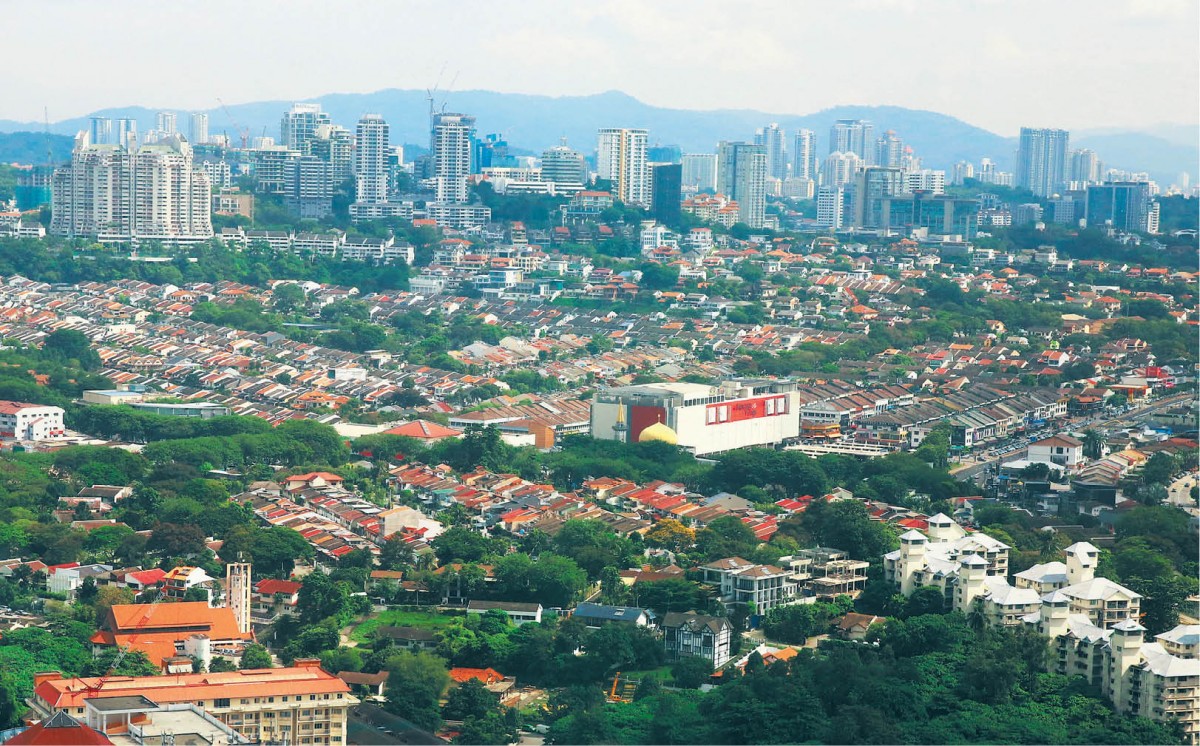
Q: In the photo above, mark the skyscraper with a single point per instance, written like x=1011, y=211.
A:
x=100, y=130
x=334, y=144
x=666, y=192
x=839, y=169
x=166, y=122
x=742, y=176
x=804, y=155
x=1123, y=205
x=889, y=150
x=621, y=160
x=450, y=145
x=309, y=188
x=700, y=171
x=1042, y=160
x=564, y=165
x=873, y=185
x=1085, y=167
x=853, y=136
x=370, y=160
x=110, y=193
x=127, y=133
x=830, y=206
x=771, y=137
x=198, y=129
x=299, y=125
x=963, y=170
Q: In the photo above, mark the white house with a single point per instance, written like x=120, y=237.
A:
x=26, y=421
x=1062, y=450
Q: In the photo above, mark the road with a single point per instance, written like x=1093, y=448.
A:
x=372, y=725
x=1139, y=414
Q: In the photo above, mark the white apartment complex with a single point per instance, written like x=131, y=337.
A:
x=621, y=159
x=25, y=421
x=451, y=147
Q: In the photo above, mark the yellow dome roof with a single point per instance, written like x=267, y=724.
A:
x=660, y=432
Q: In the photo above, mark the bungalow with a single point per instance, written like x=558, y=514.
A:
x=519, y=613
x=596, y=615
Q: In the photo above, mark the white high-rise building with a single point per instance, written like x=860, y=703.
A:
x=450, y=143
x=126, y=133
x=100, y=130
x=299, y=125
x=889, y=150
x=166, y=122
x=963, y=170
x=853, y=136
x=564, y=165
x=831, y=206
x=198, y=129
x=370, y=160
x=110, y=193
x=1042, y=160
x=742, y=176
x=621, y=159
x=334, y=144
x=839, y=169
x=925, y=180
x=804, y=155
x=771, y=137
x=1086, y=167
x=700, y=171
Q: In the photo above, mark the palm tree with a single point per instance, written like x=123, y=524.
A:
x=976, y=618
x=1093, y=444
x=1048, y=545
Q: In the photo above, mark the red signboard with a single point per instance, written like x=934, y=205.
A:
x=748, y=409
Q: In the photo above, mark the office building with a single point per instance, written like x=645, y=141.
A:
x=370, y=160
x=166, y=123
x=853, y=136
x=198, y=128
x=302, y=704
x=110, y=193
x=450, y=145
x=100, y=130
x=299, y=125
x=925, y=180
x=564, y=166
x=1123, y=206
x=1086, y=167
x=742, y=177
x=771, y=138
x=666, y=192
x=873, y=185
x=889, y=151
x=701, y=418
x=839, y=169
x=831, y=207
x=700, y=172
x=621, y=160
x=1042, y=160
x=804, y=155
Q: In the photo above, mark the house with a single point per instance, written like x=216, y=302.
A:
x=365, y=684
x=312, y=480
x=180, y=580
x=595, y=615
x=68, y=578
x=854, y=626
x=519, y=613
x=689, y=633
x=1062, y=450
x=425, y=431
x=742, y=582
x=412, y=638
x=59, y=730
x=272, y=597
x=495, y=682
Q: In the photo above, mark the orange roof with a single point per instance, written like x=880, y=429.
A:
x=423, y=429
x=486, y=675
x=301, y=679
x=155, y=628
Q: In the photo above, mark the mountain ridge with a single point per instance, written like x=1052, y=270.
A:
x=534, y=122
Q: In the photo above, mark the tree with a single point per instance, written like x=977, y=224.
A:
x=691, y=671
x=396, y=553
x=670, y=534
x=471, y=699
x=415, y=685
x=176, y=540
x=726, y=536
x=256, y=656
x=846, y=525
x=70, y=347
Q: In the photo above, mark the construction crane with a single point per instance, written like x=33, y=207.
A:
x=243, y=132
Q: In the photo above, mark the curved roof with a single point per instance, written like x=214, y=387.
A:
x=660, y=432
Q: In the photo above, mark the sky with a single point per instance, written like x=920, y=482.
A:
x=998, y=64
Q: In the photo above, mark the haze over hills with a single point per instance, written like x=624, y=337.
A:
x=533, y=123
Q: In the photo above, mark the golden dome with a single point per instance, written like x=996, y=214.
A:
x=660, y=432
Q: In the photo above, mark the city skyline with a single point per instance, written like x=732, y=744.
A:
x=980, y=42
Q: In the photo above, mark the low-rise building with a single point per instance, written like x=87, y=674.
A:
x=519, y=613
x=707, y=637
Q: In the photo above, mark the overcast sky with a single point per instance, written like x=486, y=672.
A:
x=998, y=64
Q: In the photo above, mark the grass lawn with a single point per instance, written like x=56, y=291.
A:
x=662, y=673
x=398, y=618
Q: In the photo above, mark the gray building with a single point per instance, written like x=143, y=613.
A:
x=1042, y=160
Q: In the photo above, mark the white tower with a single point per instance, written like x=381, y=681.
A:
x=1056, y=607
x=1081, y=562
x=1126, y=646
x=912, y=559
x=941, y=528
x=971, y=575
x=237, y=593
x=370, y=160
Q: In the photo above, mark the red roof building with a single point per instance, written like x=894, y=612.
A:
x=59, y=730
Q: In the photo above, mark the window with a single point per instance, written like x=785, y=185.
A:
x=221, y=702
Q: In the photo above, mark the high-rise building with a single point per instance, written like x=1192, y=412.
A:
x=963, y=170
x=853, y=136
x=666, y=192
x=100, y=130
x=198, y=128
x=450, y=144
x=1086, y=167
x=309, y=189
x=33, y=188
x=166, y=122
x=370, y=160
x=127, y=133
x=873, y=185
x=742, y=176
x=889, y=150
x=110, y=193
x=334, y=144
x=925, y=180
x=839, y=169
x=299, y=125
x=1042, y=160
x=771, y=137
x=831, y=202
x=700, y=171
x=621, y=160
x=564, y=165
x=1121, y=205
x=804, y=155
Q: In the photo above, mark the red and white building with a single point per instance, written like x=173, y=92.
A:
x=25, y=421
x=702, y=418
